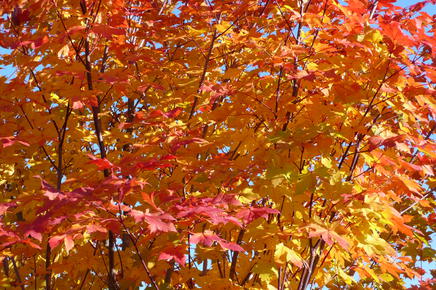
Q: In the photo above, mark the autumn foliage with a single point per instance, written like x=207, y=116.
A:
x=273, y=144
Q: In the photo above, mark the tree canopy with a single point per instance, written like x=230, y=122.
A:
x=269, y=144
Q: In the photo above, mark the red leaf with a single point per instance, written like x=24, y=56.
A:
x=69, y=243
x=411, y=184
x=392, y=29
x=212, y=212
x=74, y=29
x=179, y=143
x=77, y=105
x=155, y=114
x=250, y=214
x=374, y=142
x=390, y=142
x=93, y=228
x=160, y=223
x=173, y=113
x=30, y=243
x=9, y=141
x=149, y=198
x=157, y=222
x=5, y=206
x=207, y=238
x=51, y=195
x=20, y=16
x=152, y=165
x=102, y=163
x=377, y=141
x=231, y=246
x=55, y=241
x=140, y=116
x=49, y=191
x=168, y=157
x=174, y=253
x=81, y=100
x=431, y=218
x=106, y=30
x=33, y=43
x=418, y=6
x=34, y=234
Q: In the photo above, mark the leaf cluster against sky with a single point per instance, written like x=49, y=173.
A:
x=258, y=144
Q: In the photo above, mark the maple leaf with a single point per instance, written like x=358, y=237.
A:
x=214, y=215
x=30, y=243
x=392, y=29
x=36, y=228
x=106, y=30
x=299, y=131
x=230, y=246
x=153, y=164
x=69, y=243
x=207, y=238
x=174, y=253
x=20, y=16
x=5, y=206
x=179, y=143
x=9, y=141
x=409, y=183
x=173, y=113
x=92, y=228
x=102, y=163
x=56, y=240
x=284, y=254
x=248, y=215
x=329, y=236
x=33, y=44
x=157, y=222
x=50, y=191
x=375, y=142
x=149, y=198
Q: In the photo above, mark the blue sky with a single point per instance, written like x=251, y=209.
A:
x=430, y=8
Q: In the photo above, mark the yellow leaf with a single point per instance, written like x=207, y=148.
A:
x=327, y=162
x=223, y=26
x=283, y=254
x=386, y=277
x=374, y=36
x=267, y=272
x=63, y=52
x=347, y=279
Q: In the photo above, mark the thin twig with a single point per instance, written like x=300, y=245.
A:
x=17, y=273
x=203, y=75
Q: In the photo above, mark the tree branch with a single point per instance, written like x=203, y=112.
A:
x=203, y=75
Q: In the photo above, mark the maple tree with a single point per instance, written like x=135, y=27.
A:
x=273, y=144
